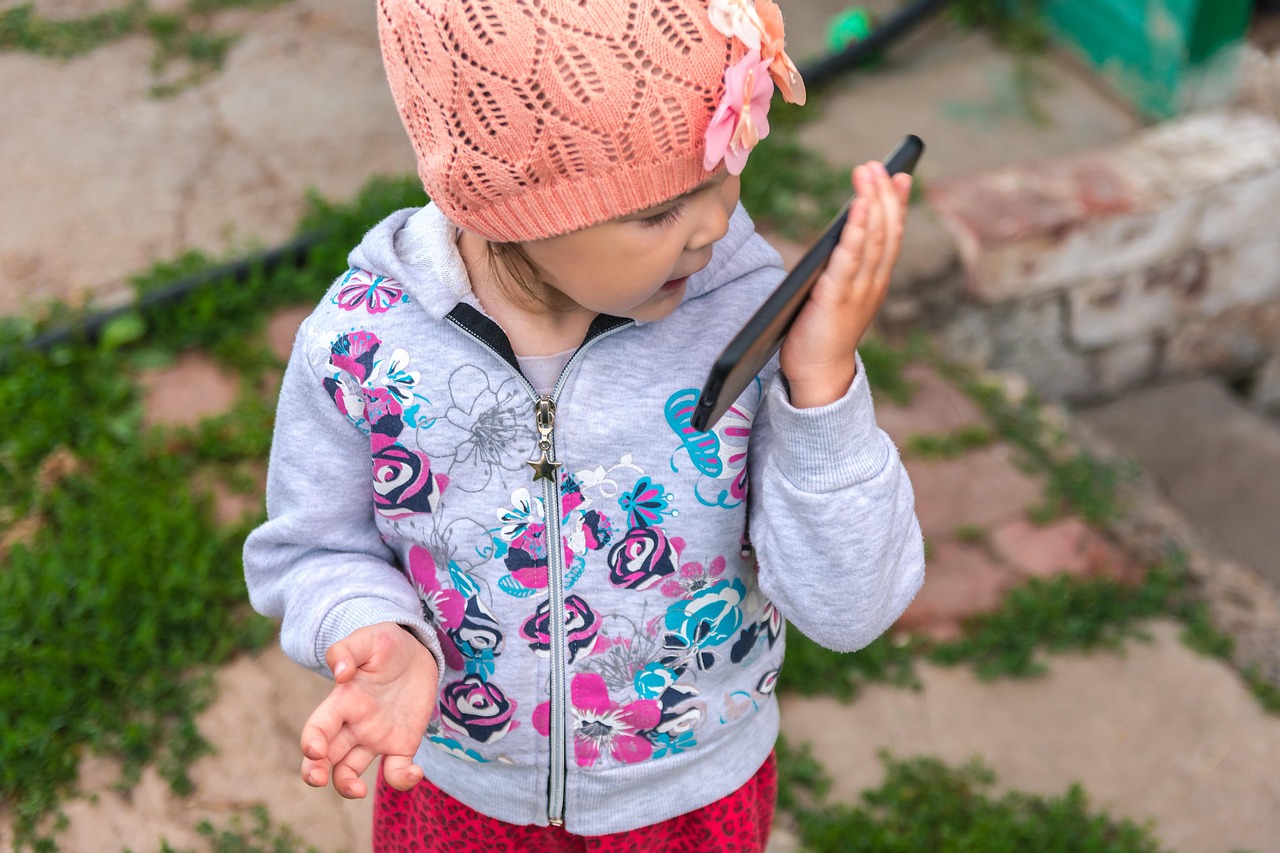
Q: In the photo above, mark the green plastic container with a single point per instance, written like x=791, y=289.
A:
x=1166, y=56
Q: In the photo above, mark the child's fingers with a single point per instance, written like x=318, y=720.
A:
x=875, y=239
x=320, y=750
x=315, y=773
x=346, y=773
x=848, y=255
x=895, y=214
x=903, y=183
x=345, y=656
x=400, y=772
x=322, y=729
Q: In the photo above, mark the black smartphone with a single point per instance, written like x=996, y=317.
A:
x=762, y=336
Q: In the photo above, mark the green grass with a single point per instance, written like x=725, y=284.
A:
x=950, y=445
x=788, y=187
x=185, y=35
x=1059, y=614
x=1045, y=616
x=811, y=670
x=235, y=837
x=1076, y=482
x=114, y=610
x=924, y=804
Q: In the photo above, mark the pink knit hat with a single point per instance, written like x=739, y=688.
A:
x=532, y=118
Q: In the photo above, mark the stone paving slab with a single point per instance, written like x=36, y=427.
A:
x=1215, y=458
x=254, y=726
x=106, y=179
x=1158, y=732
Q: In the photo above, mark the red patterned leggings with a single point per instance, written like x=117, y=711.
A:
x=427, y=819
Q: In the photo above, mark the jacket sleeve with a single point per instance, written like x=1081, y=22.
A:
x=832, y=517
x=319, y=563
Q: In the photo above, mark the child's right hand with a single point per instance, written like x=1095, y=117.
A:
x=384, y=693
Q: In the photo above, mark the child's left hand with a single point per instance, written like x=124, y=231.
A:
x=818, y=355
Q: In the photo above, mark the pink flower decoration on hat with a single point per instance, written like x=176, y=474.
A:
x=737, y=19
x=781, y=68
x=742, y=118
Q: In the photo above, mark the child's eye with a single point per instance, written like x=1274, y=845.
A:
x=665, y=218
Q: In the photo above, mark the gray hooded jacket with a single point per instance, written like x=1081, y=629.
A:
x=401, y=490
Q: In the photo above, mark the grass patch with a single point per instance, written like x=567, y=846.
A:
x=971, y=534
x=812, y=670
x=187, y=35
x=885, y=366
x=22, y=29
x=786, y=186
x=1078, y=482
x=950, y=445
x=925, y=804
x=122, y=593
x=1059, y=614
x=235, y=837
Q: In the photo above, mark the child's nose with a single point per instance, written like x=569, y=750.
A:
x=713, y=223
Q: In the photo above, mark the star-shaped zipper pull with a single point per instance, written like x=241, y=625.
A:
x=544, y=467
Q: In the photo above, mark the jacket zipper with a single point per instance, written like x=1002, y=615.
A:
x=546, y=468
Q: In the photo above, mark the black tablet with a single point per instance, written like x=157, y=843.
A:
x=762, y=336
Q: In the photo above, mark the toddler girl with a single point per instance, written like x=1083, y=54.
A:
x=490, y=520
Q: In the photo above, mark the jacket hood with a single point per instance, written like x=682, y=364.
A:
x=418, y=248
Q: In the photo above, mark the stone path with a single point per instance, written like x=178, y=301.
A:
x=103, y=179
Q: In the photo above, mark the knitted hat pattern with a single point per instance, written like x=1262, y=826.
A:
x=532, y=118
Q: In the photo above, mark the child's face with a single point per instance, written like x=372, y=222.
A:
x=636, y=266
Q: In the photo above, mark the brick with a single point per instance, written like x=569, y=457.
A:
x=1034, y=227
x=1111, y=245
x=966, y=337
x=1030, y=337
x=1122, y=367
x=960, y=581
x=981, y=488
x=1008, y=223
x=1266, y=391
x=1237, y=340
x=1200, y=152
x=936, y=407
x=1106, y=311
x=1239, y=209
x=1066, y=546
x=192, y=388
x=1249, y=276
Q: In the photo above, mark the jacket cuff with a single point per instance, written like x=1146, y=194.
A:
x=349, y=616
x=826, y=448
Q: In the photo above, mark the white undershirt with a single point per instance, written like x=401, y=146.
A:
x=542, y=371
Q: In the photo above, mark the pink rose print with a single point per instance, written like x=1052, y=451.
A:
x=600, y=725
x=403, y=483
x=642, y=557
x=582, y=627
x=477, y=709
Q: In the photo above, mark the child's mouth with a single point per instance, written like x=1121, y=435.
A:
x=674, y=284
